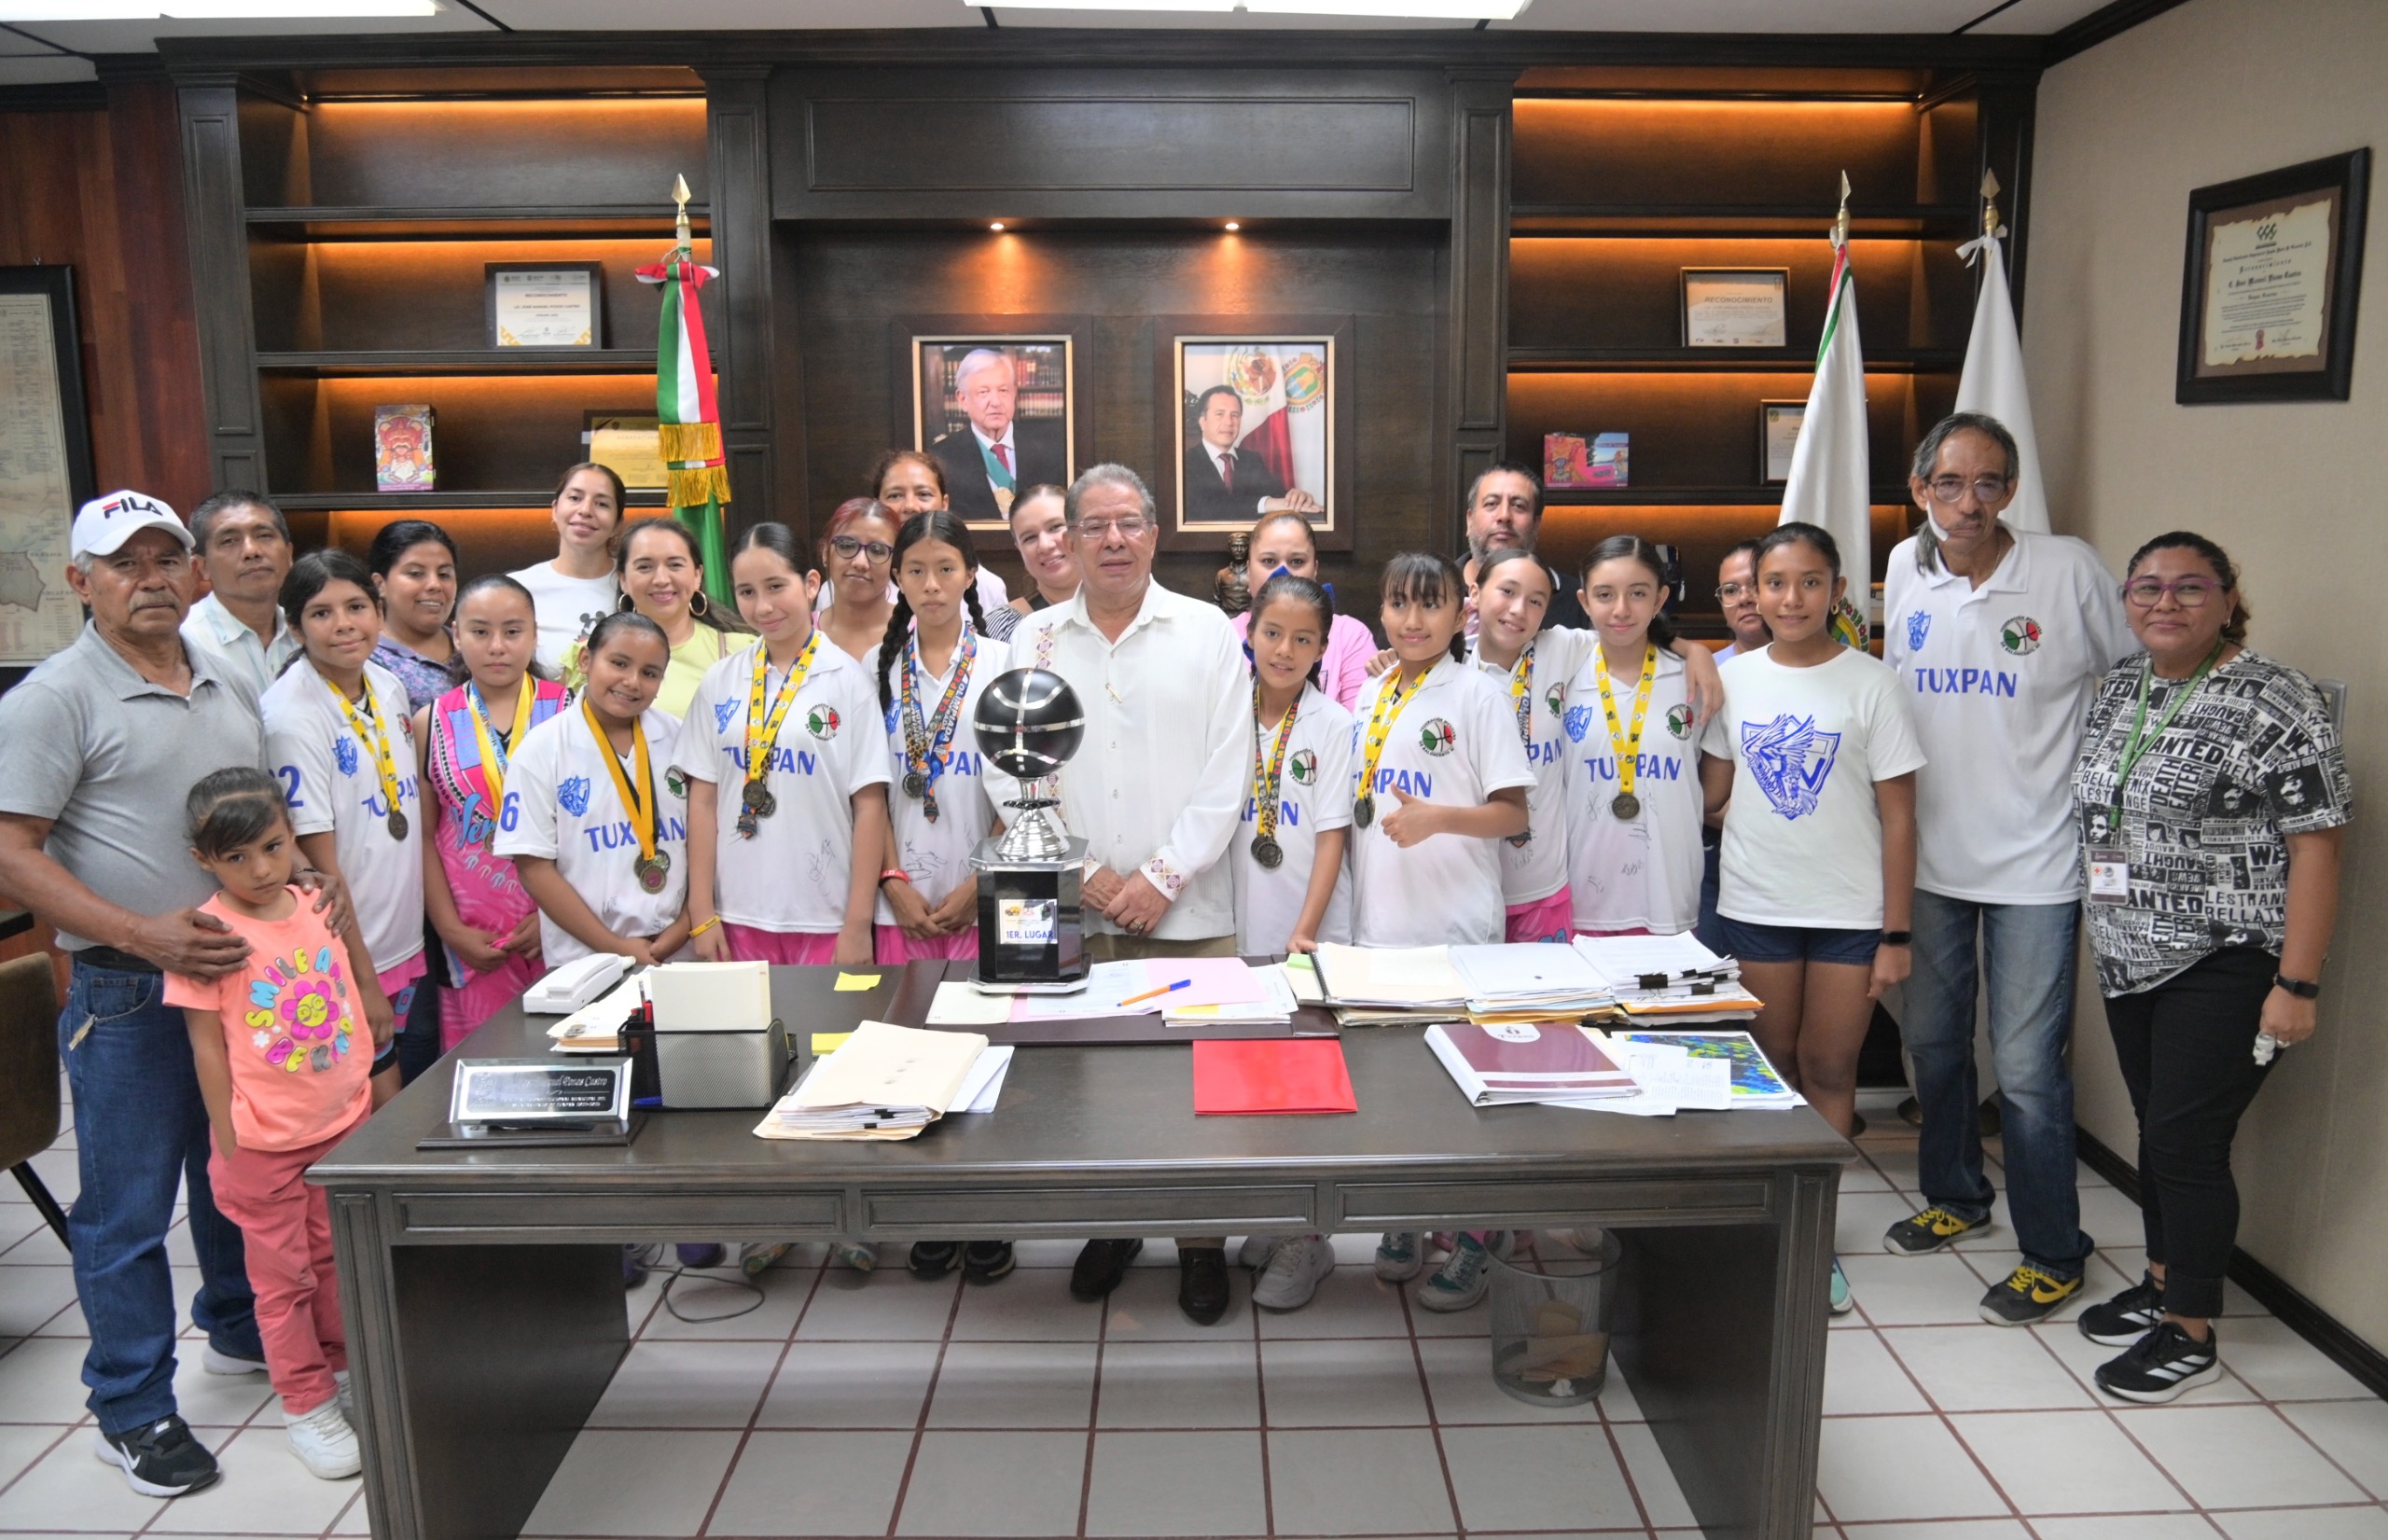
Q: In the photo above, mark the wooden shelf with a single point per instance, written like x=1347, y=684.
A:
x=1661, y=497
x=395, y=222
x=495, y=361
x=394, y=503
x=1889, y=221
x=1718, y=360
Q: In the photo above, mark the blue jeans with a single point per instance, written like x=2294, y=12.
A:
x=140, y=1130
x=2029, y=950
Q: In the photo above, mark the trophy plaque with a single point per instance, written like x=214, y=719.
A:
x=1030, y=935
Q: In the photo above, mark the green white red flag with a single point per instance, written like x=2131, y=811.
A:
x=687, y=415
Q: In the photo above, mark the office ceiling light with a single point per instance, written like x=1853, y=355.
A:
x=211, y=10
x=1234, y=225
x=1391, y=10
x=997, y=227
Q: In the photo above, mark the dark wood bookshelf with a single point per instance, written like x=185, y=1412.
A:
x=1660, y=497
x=495, y=361
x=1717, y=360
x=377, y=223
x=1728, y=220
x=397, y=504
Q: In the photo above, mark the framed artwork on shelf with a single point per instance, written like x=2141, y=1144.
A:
x=1251, y=415
x=1778, y=431
x=628, y=444
x=546, y=304
x=2269, y=293
x=1734, y=308
x=995, y=400
x=45, y=461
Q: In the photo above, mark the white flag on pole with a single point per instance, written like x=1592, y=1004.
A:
x=1829, y=485
x=1993, y=382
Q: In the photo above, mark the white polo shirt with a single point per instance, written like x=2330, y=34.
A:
x=329, y=780
x=1534, y=865
x=1999, y=680
x=1455, y=741
x=561, y=804
x=1313, y=796
x=1642, y=873
x=936, y=856
x=226, y=635
x=794, y=875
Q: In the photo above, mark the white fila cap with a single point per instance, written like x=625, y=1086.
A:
x=104, y=523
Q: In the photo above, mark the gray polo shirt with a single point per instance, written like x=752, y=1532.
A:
x=110, y=758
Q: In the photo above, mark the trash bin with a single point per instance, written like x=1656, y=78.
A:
x=1552, y=1311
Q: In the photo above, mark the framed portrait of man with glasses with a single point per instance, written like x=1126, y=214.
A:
x=996, y=402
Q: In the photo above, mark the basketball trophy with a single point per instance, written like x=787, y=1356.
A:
x=1030, y=923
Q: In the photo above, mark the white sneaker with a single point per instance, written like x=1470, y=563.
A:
x=1399, y=1255
x=1461, y=1279
x=346, y=1397
x=1254, y=1252
x=859, y=1255
x=1294, y=1269
x=323, y=1442
x=224, y=1363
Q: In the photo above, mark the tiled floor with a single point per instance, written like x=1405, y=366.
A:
x=904, y=1408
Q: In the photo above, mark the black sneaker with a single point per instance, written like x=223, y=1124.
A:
x=932, y=1258
x=2161, y=1365
x=1923, y=1234
x=161, y=1459
x=984, y=1261
x=2028, y=1296
x=2120, y=1322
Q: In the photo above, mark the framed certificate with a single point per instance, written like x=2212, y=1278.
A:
x=547, y=304
x=1777, y=432
x=2269, y=290
x=45, y=462
x=1734, y=308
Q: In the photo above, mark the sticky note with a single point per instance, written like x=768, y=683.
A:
x=849, y=983
x=829, y=1041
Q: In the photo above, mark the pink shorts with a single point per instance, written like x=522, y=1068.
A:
x=749, y=945
x=896, y=947
x=1550, y=919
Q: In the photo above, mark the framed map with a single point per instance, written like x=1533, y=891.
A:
x=45, y=461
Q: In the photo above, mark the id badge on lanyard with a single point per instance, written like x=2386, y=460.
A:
x=2109, y=875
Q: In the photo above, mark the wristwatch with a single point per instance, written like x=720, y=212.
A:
x=1897, y=937
x=2297, y=986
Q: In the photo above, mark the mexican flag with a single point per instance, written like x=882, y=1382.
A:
x=1828, y=482
x=689, y=418
x=1284, y=389
x=1993, y=382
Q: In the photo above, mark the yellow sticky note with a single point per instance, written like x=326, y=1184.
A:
x=829, y=1041
x=849, y=983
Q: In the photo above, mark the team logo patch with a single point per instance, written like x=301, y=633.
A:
x=722, y=713
x=2020, y=636
x=676, y=781
x=344, y=755
x=1919, y=626
x=573, y=795
x=1790, y=761
x=1436, y=737
x=1303, y=768
x=821, y=722
x=1556, y=700
x=1579, y=722
x=1679, y=721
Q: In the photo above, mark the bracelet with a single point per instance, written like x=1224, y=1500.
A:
x=695, y=931
x=1897, y=937
x=894, y=874
x=2302, y=988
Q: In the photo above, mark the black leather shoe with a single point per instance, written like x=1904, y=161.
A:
x=1101, y=1266
x=1202, y=1284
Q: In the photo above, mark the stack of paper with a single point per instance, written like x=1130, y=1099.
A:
x=1546, y=1062
x=597, y=1027
x=1370, y=986
x=1275, y=1006
x=1668, y=1078
x=1754, y=1083
x=1670, y=976
x=1528, y=981
x=884, y=1082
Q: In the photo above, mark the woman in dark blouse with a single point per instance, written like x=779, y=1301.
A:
x=2211, y=796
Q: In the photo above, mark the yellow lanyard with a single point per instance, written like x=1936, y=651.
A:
x=494, y=750
x=762, y=730
x=1520, y=681
x=367, y=725
x=1390, y=700
x=1269, y=772
x=1627, y=746
x=640, y=807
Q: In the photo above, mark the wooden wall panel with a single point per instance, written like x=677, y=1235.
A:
x=101, y=191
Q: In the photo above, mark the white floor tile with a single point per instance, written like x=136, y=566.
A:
x=1537, y=1478
x=1982, y=1368
x=710, y=1299
x=355, y=1518
x=1861, y=1219
x=1459, y=1379
x=1912, y=1291
x=30, y=1295
x=621, y=1484
x=850, y=1385
x=1858, y=1176
x=1179, y=1385
x=1014, y=1385
x=2238, y=1457
x=1862, y=1376
x=983, y=1482
x=1900, y=1467
x=1143, y=1307
x=1350, y=1302
x=1023, y=1310
x=2066, y=1462
x=2353, y=1433
x=820, y=1482
x=686, y=1385
x=2111, y=1219
x=69, y=1488
x=264, y=1491
x=1176, y=1483
x=1384, y=1482
x=41, y=1380
x=2368, y=1522
x=2283, y=1366
x=23, y=1443
x=2144, y=1526
x=25, y=1235
x=1653, y=1479
x=893, y=1308
x=1362, y=1382
x=218, y=1400
x=1947, y=1529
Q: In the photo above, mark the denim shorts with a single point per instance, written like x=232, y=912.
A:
x=1749, y=942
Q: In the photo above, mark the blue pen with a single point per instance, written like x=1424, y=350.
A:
x=1154, y=994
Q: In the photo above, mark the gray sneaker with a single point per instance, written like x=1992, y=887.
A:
x=1296, y=1268
x=1461, y=1279
x=1399, y=1255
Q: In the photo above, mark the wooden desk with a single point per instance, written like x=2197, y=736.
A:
x=483, y=1287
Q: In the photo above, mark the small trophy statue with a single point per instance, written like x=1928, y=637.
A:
x=1030, y=940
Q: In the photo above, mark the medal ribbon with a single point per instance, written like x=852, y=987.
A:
x=1628, y=749
x=923, y=746
x=1267, y=777
x=2141, y=741
x=1520, y=683
x=640, y=807
x=493, y=745
x=762, y=729
x=367, y=725
x=1390, y=700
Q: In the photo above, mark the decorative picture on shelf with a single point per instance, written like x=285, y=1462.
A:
x=1258, y=423
x=402, y=460
x=547, y=304
x=626, y=443
x=997, y=408
x=1571, y=460
x=1778, y=430
x=2267, y=301
x=1734, y=308
x=45, y=461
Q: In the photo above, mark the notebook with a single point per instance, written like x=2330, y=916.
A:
x=1234, y=1078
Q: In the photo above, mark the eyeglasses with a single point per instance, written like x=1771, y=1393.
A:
x=847, y=546
x=1734, y=592
x=2190, y=593
x=1951, y=490
x=1129, y=527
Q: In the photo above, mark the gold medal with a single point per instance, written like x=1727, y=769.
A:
x=366, y=726
x=763, y=718
x=1390, y=699
x=652, y=864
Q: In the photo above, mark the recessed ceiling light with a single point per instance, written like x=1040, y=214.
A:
x=997, y=227
x=1396, y=11
x=1235, y=224
x=210, y=10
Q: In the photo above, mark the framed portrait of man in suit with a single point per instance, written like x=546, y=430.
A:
x=1255, y=422
x=995, y=400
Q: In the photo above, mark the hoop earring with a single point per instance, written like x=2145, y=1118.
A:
x=699, y=604
x=623, y=605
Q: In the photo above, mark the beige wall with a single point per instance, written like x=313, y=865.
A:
x=2298, y=493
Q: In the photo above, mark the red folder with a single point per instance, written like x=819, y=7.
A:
x=1238, y=1077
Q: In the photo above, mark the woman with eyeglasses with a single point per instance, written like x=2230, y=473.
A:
x=857, y=555
x=2211, y=796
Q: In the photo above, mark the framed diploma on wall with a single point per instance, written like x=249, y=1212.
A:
x=2270, y=296
x=547, y=304
x=45, y=461
x=1734, y=308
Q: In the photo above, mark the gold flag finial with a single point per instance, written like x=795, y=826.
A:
x=1841, y=220
x=1989, y=224
x=680, y=197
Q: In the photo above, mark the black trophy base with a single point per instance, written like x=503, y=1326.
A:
x=1031, y=928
